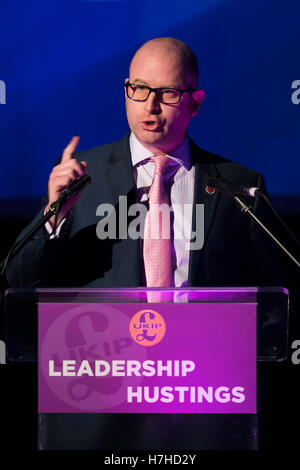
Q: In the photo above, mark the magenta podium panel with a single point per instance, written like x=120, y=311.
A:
x=147, y=358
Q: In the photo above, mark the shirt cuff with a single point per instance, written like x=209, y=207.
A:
x=50, y=229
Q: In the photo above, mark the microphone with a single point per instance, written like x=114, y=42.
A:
x=229, y=187
x=75, y=187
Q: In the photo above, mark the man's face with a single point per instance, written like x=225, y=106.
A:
x=159, y=126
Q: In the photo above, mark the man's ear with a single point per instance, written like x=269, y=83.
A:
x=197, y=98
x=125, y=81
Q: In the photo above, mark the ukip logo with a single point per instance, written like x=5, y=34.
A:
x=147, y=327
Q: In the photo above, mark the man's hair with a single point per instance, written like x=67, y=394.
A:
x=188, y=58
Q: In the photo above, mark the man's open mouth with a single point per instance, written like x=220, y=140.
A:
x=151, y=125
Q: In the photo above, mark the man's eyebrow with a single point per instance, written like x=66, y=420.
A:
x=138, y=80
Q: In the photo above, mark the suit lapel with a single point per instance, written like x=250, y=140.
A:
x=119, y=172
x=205, y=167
x=119, y=175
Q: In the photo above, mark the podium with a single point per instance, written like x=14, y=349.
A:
x=136, y=368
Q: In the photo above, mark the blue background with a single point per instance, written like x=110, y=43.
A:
x=64, y=64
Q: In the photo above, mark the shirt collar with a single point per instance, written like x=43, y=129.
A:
x=139, y=153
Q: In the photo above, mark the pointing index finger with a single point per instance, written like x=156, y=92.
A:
x=70, y=148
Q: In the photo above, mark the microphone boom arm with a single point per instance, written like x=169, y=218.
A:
x=16, y=247
x=247, y=209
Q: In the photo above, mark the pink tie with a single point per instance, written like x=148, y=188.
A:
x=157, y=238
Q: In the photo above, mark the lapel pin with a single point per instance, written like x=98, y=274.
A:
x=210, y=190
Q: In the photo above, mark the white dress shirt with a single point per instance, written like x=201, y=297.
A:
x=180, y=175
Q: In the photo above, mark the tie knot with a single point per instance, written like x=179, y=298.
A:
x=160, y=162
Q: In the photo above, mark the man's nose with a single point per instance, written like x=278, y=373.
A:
x=152, y=105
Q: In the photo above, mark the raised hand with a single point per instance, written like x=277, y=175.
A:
x=62, y=175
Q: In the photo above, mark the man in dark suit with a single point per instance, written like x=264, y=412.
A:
x=162, y=96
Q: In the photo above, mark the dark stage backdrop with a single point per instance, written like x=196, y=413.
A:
x=62, y=69
x=63, y=65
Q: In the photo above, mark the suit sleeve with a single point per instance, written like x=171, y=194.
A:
x=41, y=262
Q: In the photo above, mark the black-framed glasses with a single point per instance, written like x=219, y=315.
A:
x=138, y=92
